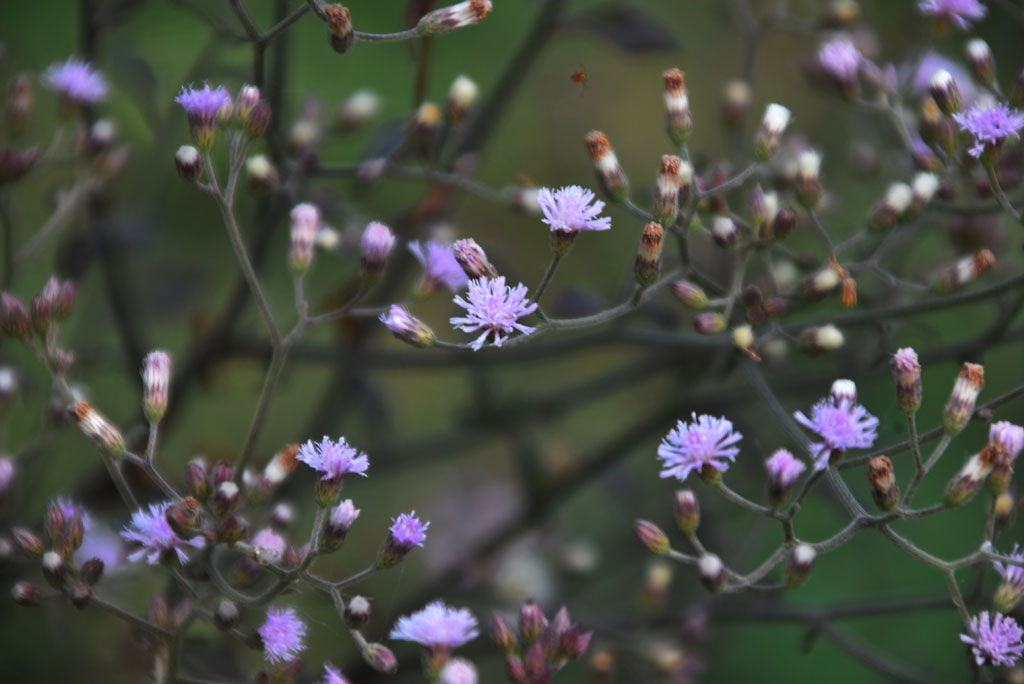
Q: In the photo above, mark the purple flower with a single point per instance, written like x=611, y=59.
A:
x=344, y=514
x=840, y=60
x=1009, y=435
x=783, y=469
x=957, y=12
x=332, y=676
x=203, y=105
x=990, y=125
x=283, y=635
x=436, y=625
x=572, y=209
x=76, y=81
x=408, y=530
x=333, y=459
x=156, y=538
x=840, y=426
x=271, y=545
x=494, y=308
x=998, y=641
x=707, y=441
x=459, y=671
x=407, y=327
x=377, y=242
x=1012, y=574
x=440, y=265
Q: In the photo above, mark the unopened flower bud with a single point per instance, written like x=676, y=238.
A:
x=377, y=242
x=98, y=429
x=819, y=283
x=357, y=109
x=81, y=595
x=647, y=265
x=783, y=470
x=689, y=294
x=712, y=572
x=1004, y=508
x=232, y=528
x=183, y=517
x=448, y=19
x=736, y=102
x=687, y=511
x=461, y=96
x=945, y=92
x=964, y=271
x=340, y=32
x=226, y=615
x=709, y=323
x=678, y=119
x=222, y=471
x=799, y=563
x=156, y=380
x=54, y=568
x=27, y=542
x=503, y=634
x=743, y=339
x=724, y=232
x=808, y=181
x=652, y=537
x=339, y=520
x=224, y=498
x=186, y=159
x=906, y=371
x=773, y=125
x=924, y=187
x=282, y=516
x=357, y=612
x=966, y=483
x=26, y=594
x=91, y=570
x=884, y=489
x=609, y=172
x=961, y=401
x=407, y=327
x=981, y=61
x=305, y=221
x=821, y=339
x=14, y=317
x=41, y=306
x=261, y=173
x=380, y=657
x=666, y=196
x=531, y=622
x=195, y=477
x=473, y=260
x=898, y=199
x=685, y=182
x=844, y=392
x=784, y=223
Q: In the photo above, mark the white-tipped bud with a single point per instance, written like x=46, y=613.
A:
x=448, y=19
x=894, y=205
x=54, y=569
x=960, y=405
x=712, y=572
x=666, y=197
x=776, y=119
x=357, y=109
x=98, y=429
x=983, y=64
x=678, y=120
x=461, y=96
x=186, y=160
x=799, y=564
x=685, y=181
x=305, y=221
x=808, y=178
x=844, y=392
x=821, y=339
x=156, y=381
x=820, y=282
x=964, y=271
x=945, y=92
x=328, y=239
x=377, y=242
x=724, y=231
x=606, y=165
x=924, y=186
x=261, y=173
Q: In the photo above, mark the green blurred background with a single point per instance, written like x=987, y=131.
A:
x=454, y=440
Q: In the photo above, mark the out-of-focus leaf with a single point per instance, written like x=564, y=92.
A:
x=625, y=25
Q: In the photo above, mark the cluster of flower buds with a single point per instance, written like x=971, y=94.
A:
x=54, y=303
x=209, y=108
x=539, y=649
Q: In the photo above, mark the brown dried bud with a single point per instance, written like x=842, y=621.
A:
x=961, y=401
x=610, y=173
x=678, y=119
x=884, y=488
x=648, y=257
x=340, y=32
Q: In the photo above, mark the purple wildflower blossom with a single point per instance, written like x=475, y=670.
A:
x=71, y=509
x=459, y=671
x=408, y=530
x=203, y=104
x=494, y=308
x=1009, y=435
x=957, y=12
x=572, y=209
x=990, y=125
x=376, y=242
x=783, y=469
x=841, y=426
x=707, y=441
x=76, y=81
x=439, y=265
x=998, y=642
x=270, y=544
x=1012, y=574
x=333, y=459
x=436, y=625
x=840, y=60
x=332, y=675
x=283, y=635
x=344, y=514
x=152, y=532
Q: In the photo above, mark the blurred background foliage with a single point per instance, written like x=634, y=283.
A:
x=469, y=441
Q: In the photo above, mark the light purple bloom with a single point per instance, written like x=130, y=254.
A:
x=283, y=635
x=436, y=625
x=707, y=441
x=407, y=530
x=572, y=209
x=783, y=469
x=840, y=427
x=905, y=361
x=152, y=532
x=990, y=125
x=377, y=242
x=998, y=641
x=439, y=265
x=271, y=545
x=840, y=60
x=70, y=509
x=76, y=81
x=494, y=308
x=407, y=327
x=1009, y=435
x=458, y=671
x=344, y=514
x=6, y=473
x=333, y=459
x=203, y=104
x=332, y=676
x=1012, y=574
x=957, y=12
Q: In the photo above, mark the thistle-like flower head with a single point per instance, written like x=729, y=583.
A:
x=997, y=641
x=76, y=81
x=841, y=426
x=437, y=625
x=333, y=459
x=494, y=308
x=283, y=635
x=990, y=125
x=706, y=441
x=151, y=531
x=572, y=209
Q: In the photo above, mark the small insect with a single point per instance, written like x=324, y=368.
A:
x=579, y=77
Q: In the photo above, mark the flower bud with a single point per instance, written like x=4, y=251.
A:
x=531, y=622
x=377, y=242
x=27, y=542
x=736, y=102
x=808, y=181
x=448, y=19
x=282, y=516
x=535, y=665
x=423, y=124
x=799, y=563
x=262, y=175
x=666, y=196
x=339, y=520
x=232, y=528
x=898, y=199
x=187, y=161
x=609, y=172
x=783, y=471
x=503, y=634
x=884, y=488
x=689, y=294
x=224, y=498
x=906, y=371
x=924, y=187
x=407, y=327
x=357, y=612
x=183, y=517
x=776, y=119
x=91, y=570
x=712, y=572
x=340, y=32
x=687, y=510
x=678, y=120
x=981, y=61
x=222, y=471
x=685, y=182
x=964, y=271
x=104, y=435
x=709, y=323
x=226, y=615
x=156, y=380
x=195, y=477
x=821, y=339
x=743, y=339
x=652, y=537
x=461, y=96
x=647, y=265
x=818, y=284
x=357, y=109
x=305, y=221
x=54, y=568
x=14, y=317
x=1003, y=509
x=473, y=260
x=26, y=594
x=515, y=672
x=81, y=595
x=784, y=223
x=966, y=483
x=844, y=392
x=945, y=92
x=961, y=401
x=380, y=658
x=724, y=232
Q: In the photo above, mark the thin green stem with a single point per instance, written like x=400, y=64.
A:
x=997, y=190
x=548, y=274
